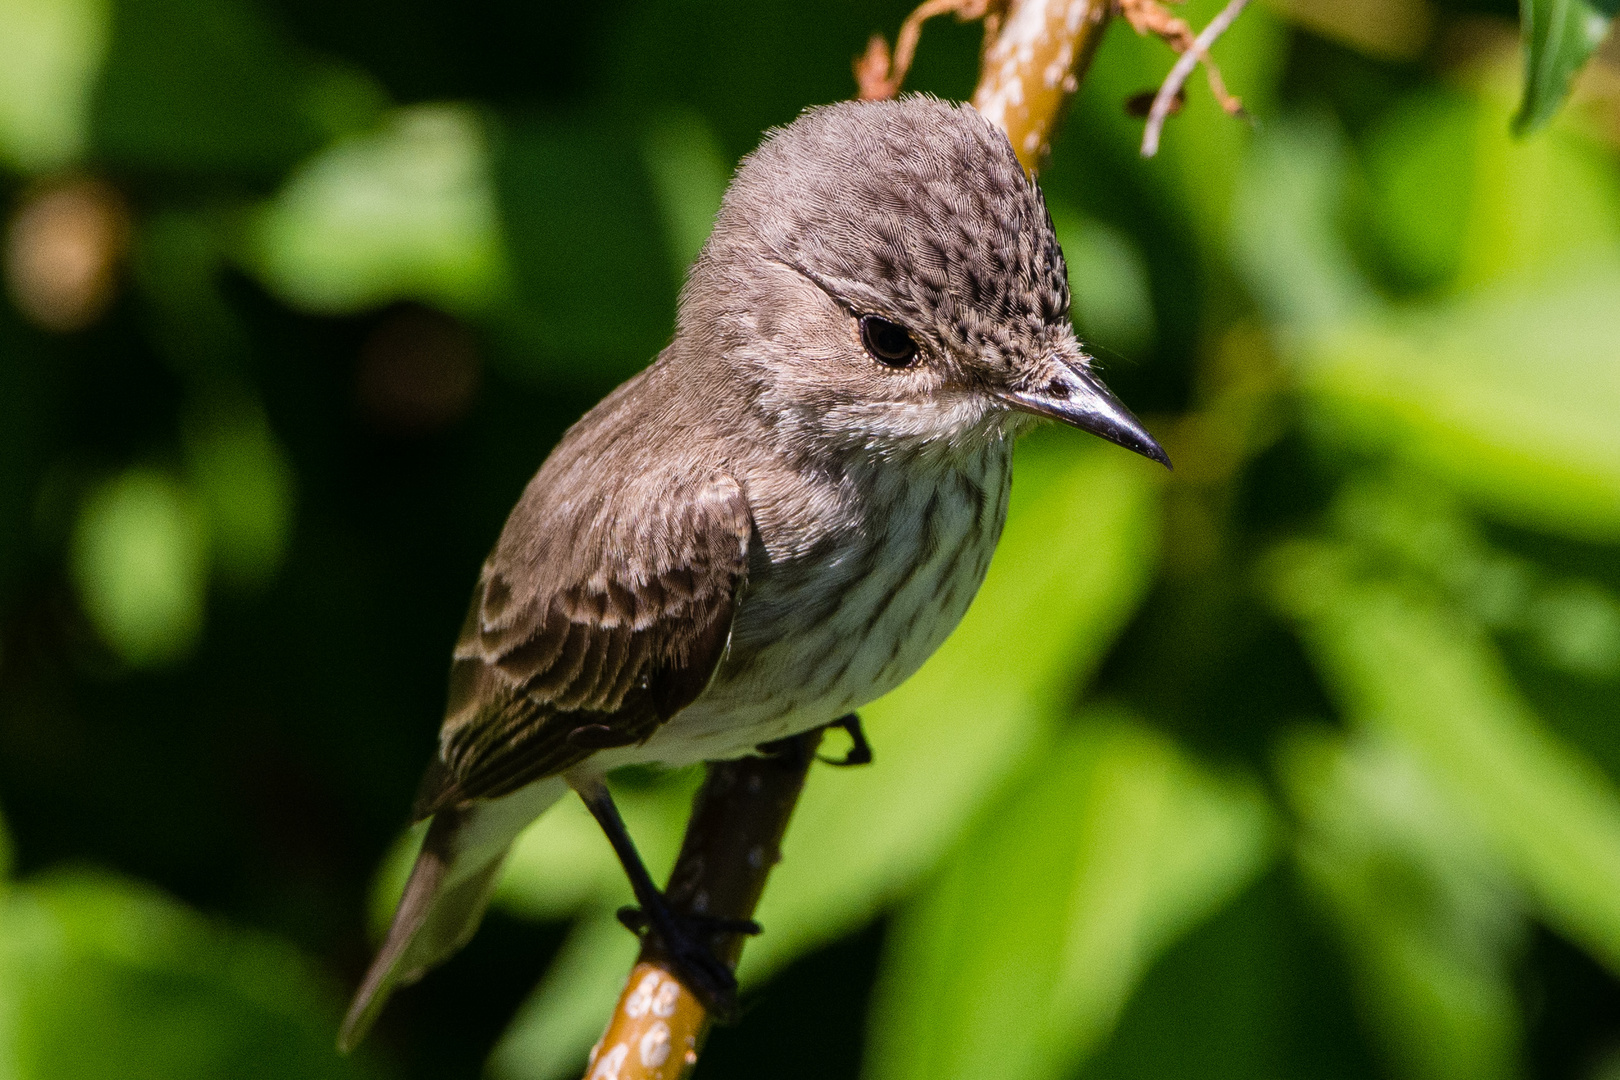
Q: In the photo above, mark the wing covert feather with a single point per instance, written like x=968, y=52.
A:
x=602, y=634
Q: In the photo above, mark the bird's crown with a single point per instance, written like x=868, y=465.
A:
x=916, y=208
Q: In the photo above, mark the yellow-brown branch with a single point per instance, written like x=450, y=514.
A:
x=1033, y=65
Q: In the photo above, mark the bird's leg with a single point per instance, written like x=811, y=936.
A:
x=685, y=938
x=860, y=751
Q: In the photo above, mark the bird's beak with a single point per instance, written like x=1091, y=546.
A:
x=1078, y=398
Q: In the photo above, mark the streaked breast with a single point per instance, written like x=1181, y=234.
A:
x=851, y=618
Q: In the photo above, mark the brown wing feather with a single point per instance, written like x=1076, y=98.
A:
x=589, y=649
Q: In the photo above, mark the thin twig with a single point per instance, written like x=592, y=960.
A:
x=872, y=68
x=879, y=77
x=1152, y=17
x=905, y=43
x=1173, y=83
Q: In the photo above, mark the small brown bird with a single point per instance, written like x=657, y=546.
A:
x=779, y=519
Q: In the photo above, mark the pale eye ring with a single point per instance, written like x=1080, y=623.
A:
x=887, y=342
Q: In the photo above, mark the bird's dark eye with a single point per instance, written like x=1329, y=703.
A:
x=888, y=342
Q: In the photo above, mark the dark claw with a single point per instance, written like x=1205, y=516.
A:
x=710, y=980
x=860, y=751
x=634, y=919
x=686, y=943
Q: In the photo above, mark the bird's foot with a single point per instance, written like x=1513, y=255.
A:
x=860, y=751
x=686, y=941
x=794, y=748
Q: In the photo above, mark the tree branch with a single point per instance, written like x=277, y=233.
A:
x=1032, y=66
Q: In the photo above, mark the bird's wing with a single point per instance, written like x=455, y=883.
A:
x=589, y=640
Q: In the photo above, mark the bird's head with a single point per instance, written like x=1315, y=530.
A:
x=885, y=273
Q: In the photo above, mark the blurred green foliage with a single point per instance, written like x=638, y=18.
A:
x=1300, y=761
x=103, y=977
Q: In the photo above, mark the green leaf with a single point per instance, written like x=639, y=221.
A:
x=1575, y=626
x=178, y=266
x=1108, y=279
x=1285, y=235
x=1075, y=559
x=1537, y=208
x=1427, y=915
x=1421, y=160
x=51, y=52
x=140, y=561
x=1509, y=395
x=1570, y=623
x=102, y=977
x=1256, y=990
x=1558, y=36
x=1018, y=960
x=245, y=484
x=1454, y=199
x=1413, y=670
x=406, y=212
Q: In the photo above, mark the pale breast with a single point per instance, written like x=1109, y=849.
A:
x=826, y=630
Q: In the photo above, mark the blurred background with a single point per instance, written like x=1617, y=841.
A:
x=1300, y=761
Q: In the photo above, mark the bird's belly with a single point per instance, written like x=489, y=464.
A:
x=821, y=636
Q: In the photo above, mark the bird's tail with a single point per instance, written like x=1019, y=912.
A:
x=444, y=900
